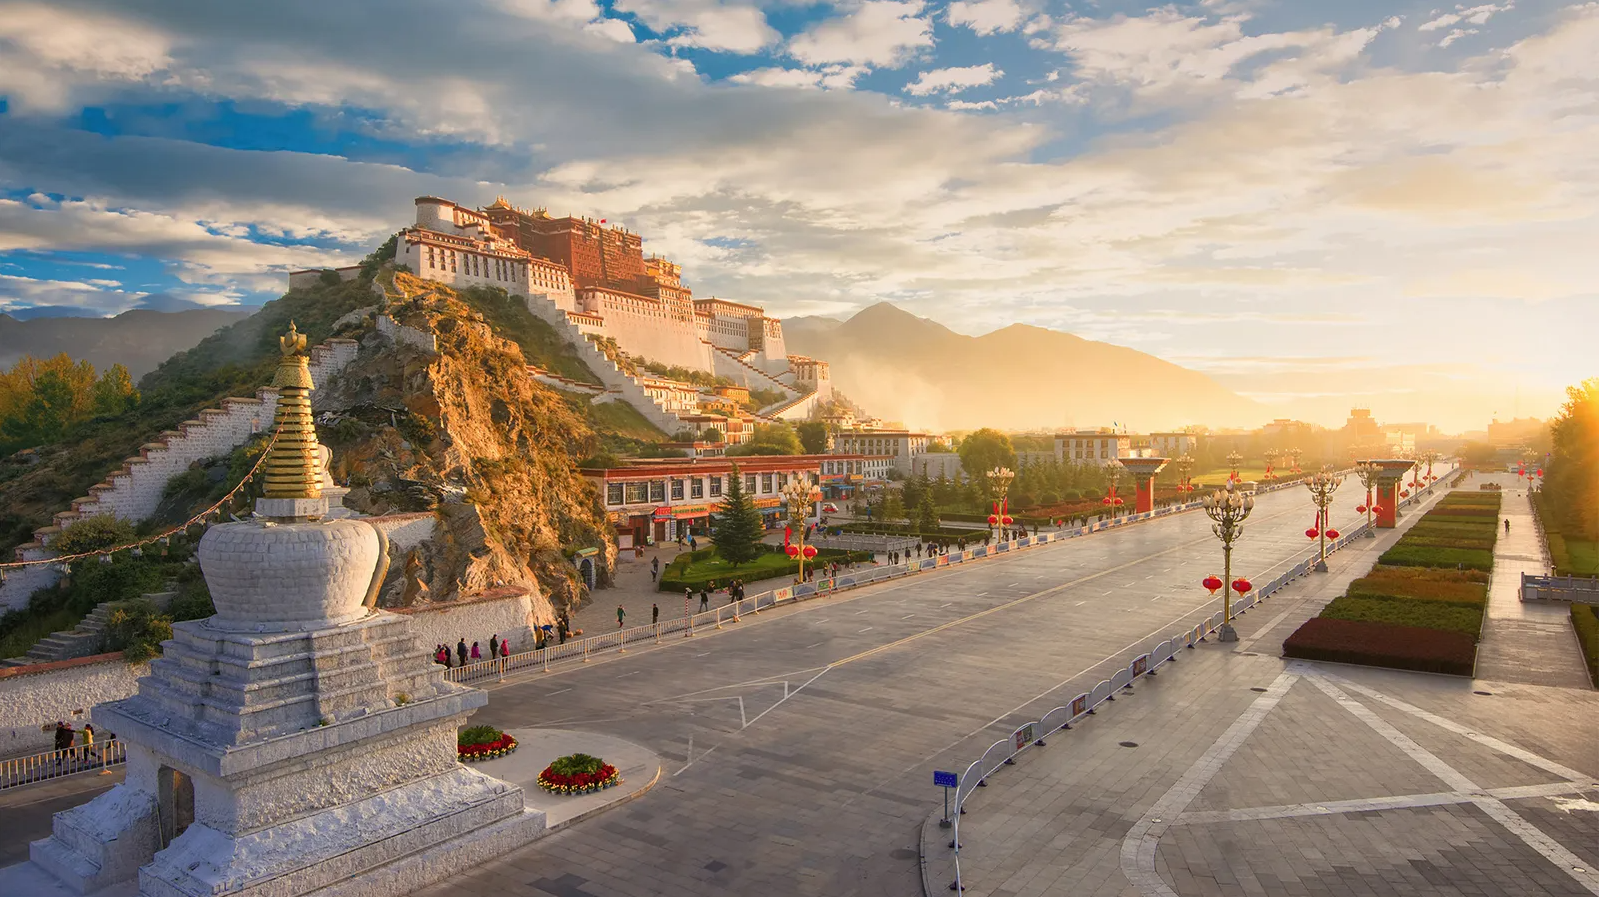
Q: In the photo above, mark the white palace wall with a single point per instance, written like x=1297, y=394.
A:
x=658, y=338
x=33, y=697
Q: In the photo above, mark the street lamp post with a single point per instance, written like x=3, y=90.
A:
x=1228, y=508
x=1234, y=459
x=1294, y=454
x=1114, y=471
x=1185, y=466
x=1322, y=486
x=999, y=479
x=798, y=495
x=1369, y=472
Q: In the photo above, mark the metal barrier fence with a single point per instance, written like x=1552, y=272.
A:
x=1029, y=735
x=1559, y=588
x=56, y=764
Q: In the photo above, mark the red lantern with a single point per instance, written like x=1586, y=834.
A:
x=1376, y=509
x=1540, y=471
x=810, y=551
x=993, y=519
x=1241, y=585
x=793, y=551
x=1119, y=501
x=1405, y=494
x=1312, y=533
x=1332, y=534
x=1212, y=582
x=1007, y=520
x=1360, y=509
x=1105, y=501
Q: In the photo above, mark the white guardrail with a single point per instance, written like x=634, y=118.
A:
x=1003, y=752
x=56, y=764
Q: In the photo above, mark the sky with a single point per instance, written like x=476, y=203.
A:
x=1321, y=204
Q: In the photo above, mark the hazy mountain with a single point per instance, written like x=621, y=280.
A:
x=903, y=367
x=139, y=339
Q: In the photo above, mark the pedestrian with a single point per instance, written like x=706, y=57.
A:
x=476, y=655
x=494, y=645
x=460, y=650
x=505, y=647
x=693, y=544
x=63, y=740
x=619, y=614
x=655, y=615
x=1507, y=526
x=655, y=567
x=88, y=741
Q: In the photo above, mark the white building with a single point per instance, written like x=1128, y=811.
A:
x=1174, y=445
x=946, y=465
x=1093, y=446
x=901, y=445
x=458, y=247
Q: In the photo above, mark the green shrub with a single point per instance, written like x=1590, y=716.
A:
x=1408, y=612
x=477, y=735
x=681, y=574
x=1465, y=587
x=137, y=629
x=1403, y=555
x=576, y=765
x=93, y=534
x=1486, y=543
x=193, y=602
x=1585, y=619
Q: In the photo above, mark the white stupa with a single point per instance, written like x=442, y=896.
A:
x=300, y=741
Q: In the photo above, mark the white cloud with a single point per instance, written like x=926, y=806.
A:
x=832, y=77
x=882, y=33
x=963, y=105
x=615, y=29
x=953, y=80
x=20, y=293
x=987, y=16
x=1475, y=15
x=45, y=51
x=707, y=24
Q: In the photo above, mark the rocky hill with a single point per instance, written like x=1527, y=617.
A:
x=464, y=433
x=139, y=340
x=905, y=367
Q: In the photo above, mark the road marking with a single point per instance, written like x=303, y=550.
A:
x=817, y=645
x=867, y=629
x=633, y=673
x=907, y=616
x=554, y=693
x=946, y=604
x=866, y=611
x=1080, y=604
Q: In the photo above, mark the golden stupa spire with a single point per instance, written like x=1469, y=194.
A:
x=291, y=466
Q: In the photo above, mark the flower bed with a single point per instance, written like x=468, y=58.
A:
x=1439, y=615
x=1465, y=587
x=476, y=743
x=1403, y=555
x=578, y=774
x=1383, y=645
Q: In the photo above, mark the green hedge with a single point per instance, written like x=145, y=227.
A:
x=1382, y=645
x=1585, y=619
x=1402, y=555
x=1408, y=612
x=685, y=572
x=1430, y=540
x=1463, y=587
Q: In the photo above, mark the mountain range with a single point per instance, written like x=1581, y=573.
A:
x=903, y=367
x=139, y=340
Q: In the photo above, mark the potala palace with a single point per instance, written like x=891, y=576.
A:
x=594, y=283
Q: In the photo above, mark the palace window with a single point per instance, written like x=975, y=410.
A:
x=452, y=261
x=657, y=490
x=749, y=482
x=696, y=488
x=677, y=490
x=613, y=493
x=716, y=487
x=637, y=493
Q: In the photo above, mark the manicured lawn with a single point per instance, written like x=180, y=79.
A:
x=689, y=571
x=1584, y=557
x=1466, y=587
x=1585, y=619
x=1402, y=555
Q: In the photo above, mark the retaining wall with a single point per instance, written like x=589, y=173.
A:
x=33, y=697
x=508, y=612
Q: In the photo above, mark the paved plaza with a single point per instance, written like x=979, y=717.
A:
x=797, y=746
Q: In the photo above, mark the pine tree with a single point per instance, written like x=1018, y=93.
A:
x=893, y=507
x=927, y=514
x=736, y=526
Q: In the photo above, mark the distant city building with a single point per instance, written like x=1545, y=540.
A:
x=652, y=501
x=843, y=475
x=936, y=465
x=902, y=445
x=1100, y=446
x=1362, y=428
x=1514, y=433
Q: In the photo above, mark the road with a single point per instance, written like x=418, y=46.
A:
x=800, y=742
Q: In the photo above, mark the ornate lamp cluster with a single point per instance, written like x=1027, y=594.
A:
x=1000, y=479
x=1228, y=507
x=1272, y=456
x=1234, y=460
x=798, y=494
x=1185, y=466
x=1369, y=473
x=1114, y=471
x=1322, y=486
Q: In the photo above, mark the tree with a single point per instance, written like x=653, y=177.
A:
x=927, y=514
x=1572, y=475
x=892, y=509
x=712, y=434
x=813, y=436
x=983, y=451
x=770, y=439
x=1478, y=454
x=93, y=534
x=114, y=392
x=736, y=526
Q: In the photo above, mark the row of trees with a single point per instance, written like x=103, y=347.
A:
x=1571, y=476
x=42, y=400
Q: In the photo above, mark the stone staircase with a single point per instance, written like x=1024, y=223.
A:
x=765, y=380
x=87, y=638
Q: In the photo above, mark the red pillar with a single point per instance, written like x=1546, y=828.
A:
x=1146, y=495
x=1388, y=503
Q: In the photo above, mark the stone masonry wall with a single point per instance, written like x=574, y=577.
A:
x=33, y=697
x=615, y=379
x=508, y=612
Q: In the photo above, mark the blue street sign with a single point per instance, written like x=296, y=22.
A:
x=946, y=779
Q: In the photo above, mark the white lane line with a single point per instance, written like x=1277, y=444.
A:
x=907, y=616
x=625, y=675
x=1080, y=604
x=859, y=612
x=946, y=604
x=554, y=693
x=817, y=645
x=1533, y=836
x=1399, y=802
x=867, y=629
x=1143, y=840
